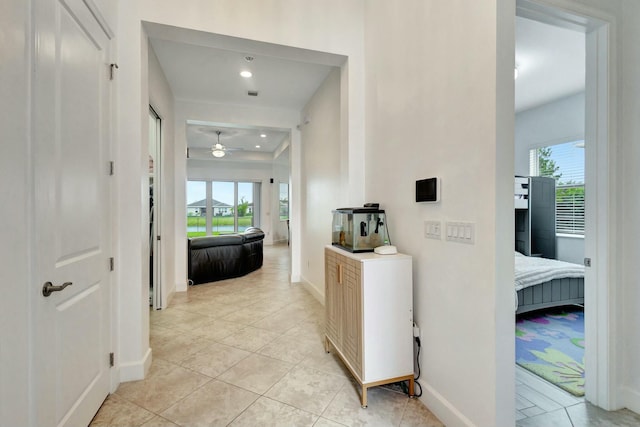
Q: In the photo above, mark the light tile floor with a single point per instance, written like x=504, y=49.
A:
x=249, y=352
x=542, y=404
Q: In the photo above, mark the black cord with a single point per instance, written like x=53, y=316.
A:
x=415, y=381
x=403, y=384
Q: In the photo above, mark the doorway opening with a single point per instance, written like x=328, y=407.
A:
x=579, y=120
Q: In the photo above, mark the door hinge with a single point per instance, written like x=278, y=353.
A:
x=587, y=262
x=111, y=264
x=158, y=237
x=112, y=67
x=112, y=359
x=111, y=168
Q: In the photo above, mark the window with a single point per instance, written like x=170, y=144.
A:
x=284, y=201
x=245, y=206
x=196, y=208
x=221, y=207
x=222, y=203
x=565, y=163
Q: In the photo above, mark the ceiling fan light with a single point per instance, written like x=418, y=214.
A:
x=218, y=149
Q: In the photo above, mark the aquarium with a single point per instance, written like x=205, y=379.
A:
x=359, y=229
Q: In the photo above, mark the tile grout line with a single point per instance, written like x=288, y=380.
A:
x=307, y=324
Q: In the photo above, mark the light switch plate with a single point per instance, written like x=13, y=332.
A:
x=461, y=232
x=433, y=230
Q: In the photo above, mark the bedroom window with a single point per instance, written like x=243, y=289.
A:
x=565, y=163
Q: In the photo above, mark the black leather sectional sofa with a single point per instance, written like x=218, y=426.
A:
x=221, y=257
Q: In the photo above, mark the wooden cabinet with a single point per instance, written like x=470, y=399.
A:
x=369, y=315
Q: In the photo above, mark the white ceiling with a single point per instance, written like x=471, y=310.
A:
x=241, y=141
x=202, y=73
x=550, y=62
x=205, y=67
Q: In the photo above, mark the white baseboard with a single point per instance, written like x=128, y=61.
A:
x=442, y=408
x=133, y=371
x=630, y=399
x=181, y=286
x=312, y=290
x=169, y=297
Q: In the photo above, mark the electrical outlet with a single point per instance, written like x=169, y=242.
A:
x=416, y=330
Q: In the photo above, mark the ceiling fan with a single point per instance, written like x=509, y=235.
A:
x=218, y=150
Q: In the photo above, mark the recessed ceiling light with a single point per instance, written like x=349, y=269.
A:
x=257, y=146
x=263, y=135
x=246, y=74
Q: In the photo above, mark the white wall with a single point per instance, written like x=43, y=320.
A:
x=321, y=178
x=161, y=99
x=553, y=123
x=131, y=201
x=432, y=110
x=15, y=227
x=627, y=372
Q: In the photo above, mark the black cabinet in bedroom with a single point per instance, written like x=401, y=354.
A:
x=535, y=216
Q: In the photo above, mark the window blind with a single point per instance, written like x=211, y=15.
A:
x=565, y=163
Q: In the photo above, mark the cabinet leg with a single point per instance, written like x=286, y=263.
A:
x=411, y=387
x=363, y=401
x=326, y=344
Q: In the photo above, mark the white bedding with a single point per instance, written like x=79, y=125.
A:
x=530, y=271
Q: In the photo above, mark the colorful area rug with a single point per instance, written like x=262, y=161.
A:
x=551, y=345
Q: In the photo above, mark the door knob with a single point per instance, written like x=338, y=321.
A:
x=49, y=288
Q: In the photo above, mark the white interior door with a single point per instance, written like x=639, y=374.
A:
x=70, y=111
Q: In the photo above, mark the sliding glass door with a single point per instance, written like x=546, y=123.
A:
x=222, y=207
x=196, y=208
x=245, y=205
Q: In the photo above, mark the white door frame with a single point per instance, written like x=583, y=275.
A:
x=600, y=280
x=155, y=217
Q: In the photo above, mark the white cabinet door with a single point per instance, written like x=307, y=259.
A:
x=70, y=130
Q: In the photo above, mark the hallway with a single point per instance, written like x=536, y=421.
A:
x=246, y=352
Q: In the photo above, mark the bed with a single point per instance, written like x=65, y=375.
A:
x=543, y=283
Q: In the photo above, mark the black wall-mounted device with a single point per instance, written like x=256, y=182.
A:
x=428, y=190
